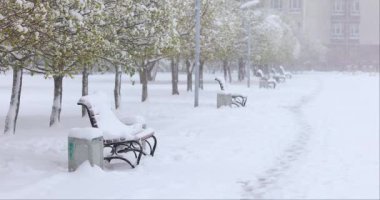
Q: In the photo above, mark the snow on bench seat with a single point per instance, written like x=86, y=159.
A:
x=107, y=121
x=145, y=133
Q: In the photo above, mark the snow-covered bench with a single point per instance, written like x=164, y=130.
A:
x=121, y=137
x=283, y=72
x=277, y=76
x=265, y=81
x=237, y=99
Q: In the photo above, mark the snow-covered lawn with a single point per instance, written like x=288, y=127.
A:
x=315, y=136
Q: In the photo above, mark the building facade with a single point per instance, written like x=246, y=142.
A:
x=348, y=28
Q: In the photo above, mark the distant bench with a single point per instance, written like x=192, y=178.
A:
x=228, y=99
x=265, y=82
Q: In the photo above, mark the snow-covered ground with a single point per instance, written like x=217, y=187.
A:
x=315, y=136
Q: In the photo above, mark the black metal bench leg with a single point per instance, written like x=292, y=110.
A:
x=140, y=150
x=150, y=147
x=239, y=101
x=119, y=158
x=245, y=101
x=154, y=145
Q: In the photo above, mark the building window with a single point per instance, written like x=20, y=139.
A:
x=276, y=4
x=355, y=7
x=354, y=31
x=295, y=5
x=338, y=7
x=337, y=31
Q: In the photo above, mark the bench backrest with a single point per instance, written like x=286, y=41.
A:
x=99, y=110
x=282, y=70
x=90, y=113
x=260, y=73
x=220, y=83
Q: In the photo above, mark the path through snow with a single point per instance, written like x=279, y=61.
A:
x=336, y=155
x=265, y=182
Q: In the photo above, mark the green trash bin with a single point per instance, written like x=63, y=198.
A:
x=85, y=144
x=223, y=99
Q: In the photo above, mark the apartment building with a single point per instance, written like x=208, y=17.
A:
x=348, y=28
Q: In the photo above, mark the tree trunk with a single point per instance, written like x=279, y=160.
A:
x=174, y=67
x=189, y=73
x=152, y=71
x=117, y=89
x=55, y=116
x=11, y=119
x=201, y=74
x=84, y=87
x=229, y=73
x=144, y=83
x=225, y=65
x=241, y=71
x=140, y=75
